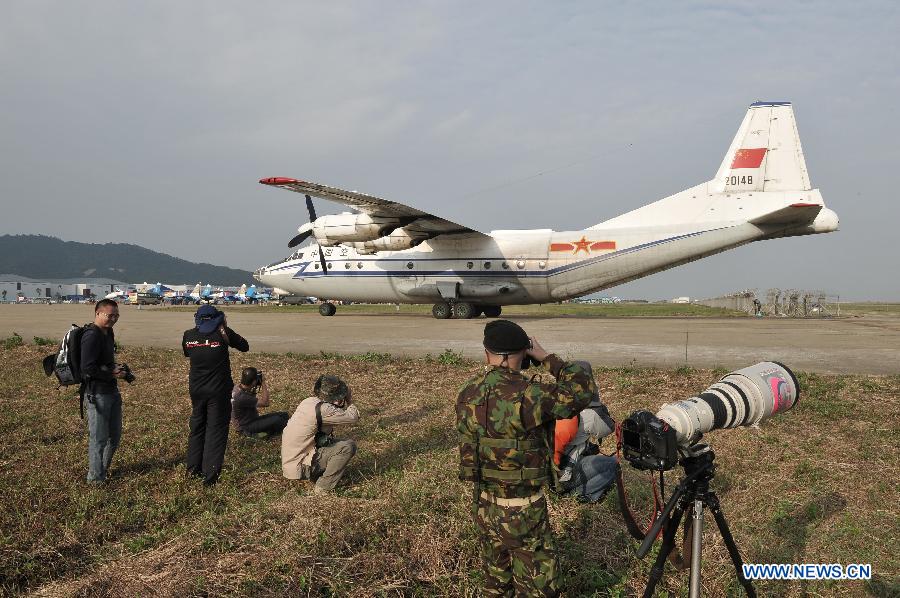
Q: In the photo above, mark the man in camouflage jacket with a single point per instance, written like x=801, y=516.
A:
x=505, y=423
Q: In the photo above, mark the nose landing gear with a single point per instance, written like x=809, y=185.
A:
x=327, y=309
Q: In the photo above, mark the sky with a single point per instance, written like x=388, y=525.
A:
x=152, y=123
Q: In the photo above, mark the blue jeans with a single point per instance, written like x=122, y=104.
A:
x=593, y=477
x=104, y=419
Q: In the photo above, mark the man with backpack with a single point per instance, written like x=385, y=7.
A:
x=308, y=449
x=100, y=374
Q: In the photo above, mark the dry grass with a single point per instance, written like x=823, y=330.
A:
x=818, y=484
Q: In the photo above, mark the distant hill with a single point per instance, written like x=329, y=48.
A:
x=43, y=257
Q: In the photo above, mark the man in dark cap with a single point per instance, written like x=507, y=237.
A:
x=210, y=386
x=506, y=422
x=309, y=450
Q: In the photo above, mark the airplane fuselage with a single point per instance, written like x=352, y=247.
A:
x=507, y=268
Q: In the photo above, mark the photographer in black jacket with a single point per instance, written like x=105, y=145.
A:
x=102, y=398
x=210, y=385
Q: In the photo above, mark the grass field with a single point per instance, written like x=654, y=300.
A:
x=818, y=484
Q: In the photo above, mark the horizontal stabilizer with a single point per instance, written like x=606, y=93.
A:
x=797, y=213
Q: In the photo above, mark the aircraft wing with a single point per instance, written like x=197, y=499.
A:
x=374, y=206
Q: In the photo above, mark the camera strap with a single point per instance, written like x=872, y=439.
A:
x=319, y=432
x=630, y=520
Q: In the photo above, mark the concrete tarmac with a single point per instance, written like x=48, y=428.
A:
x=862, y=345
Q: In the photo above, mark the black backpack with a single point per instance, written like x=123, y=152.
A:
x=66, y=362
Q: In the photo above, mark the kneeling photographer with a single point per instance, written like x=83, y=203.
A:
x=309, y=450
x=246, y=398
x=583, y=471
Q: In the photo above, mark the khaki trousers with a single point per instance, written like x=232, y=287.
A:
x=330, y=462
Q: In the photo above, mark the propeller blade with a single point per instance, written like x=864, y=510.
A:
x=299, y=238
x=322, y=260
x=312, y=218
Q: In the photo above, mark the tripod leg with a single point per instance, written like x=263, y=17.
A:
x=668, y=542
x=696, y=547
x=713, y=502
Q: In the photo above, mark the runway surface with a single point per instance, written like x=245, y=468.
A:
x=865, y=345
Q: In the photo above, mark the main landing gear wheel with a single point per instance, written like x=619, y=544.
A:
x=441, y=311
x=492, y=311
x=327, y=309
x=464, y=311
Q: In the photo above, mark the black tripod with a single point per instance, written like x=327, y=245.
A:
x=693, y=491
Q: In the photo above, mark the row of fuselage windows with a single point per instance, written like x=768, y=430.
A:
x=487, y=265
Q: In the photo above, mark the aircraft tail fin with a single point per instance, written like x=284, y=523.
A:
x=766, y=154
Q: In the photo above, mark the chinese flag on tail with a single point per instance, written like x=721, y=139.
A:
x=748, y=158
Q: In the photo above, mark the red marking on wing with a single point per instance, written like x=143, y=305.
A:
x=748, y=158
x=278, y=180
x=561, y=247
x=603, y=245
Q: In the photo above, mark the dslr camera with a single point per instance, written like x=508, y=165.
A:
x=259, y=379
x=128, y=377
x=744, y=397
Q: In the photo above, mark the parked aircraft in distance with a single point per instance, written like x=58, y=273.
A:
x=252, y=294
x=392, y=253
x=200, y=296
x=118, y=294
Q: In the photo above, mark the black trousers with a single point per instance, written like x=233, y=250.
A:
x=271, y=423
x=209, y=435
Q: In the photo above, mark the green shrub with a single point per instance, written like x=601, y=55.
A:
x=450, y=357
x=12, y=341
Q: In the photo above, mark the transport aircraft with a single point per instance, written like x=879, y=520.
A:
x=393, y=253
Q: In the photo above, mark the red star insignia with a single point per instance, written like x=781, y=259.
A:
x=583, y=244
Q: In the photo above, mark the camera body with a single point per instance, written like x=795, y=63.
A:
x=128, y=377
x=649, y=442
x=259, y=379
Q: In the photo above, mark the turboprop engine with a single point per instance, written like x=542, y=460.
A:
x=335, y=229
x=398, y=240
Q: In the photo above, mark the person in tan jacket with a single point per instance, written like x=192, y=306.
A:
x=309, y=450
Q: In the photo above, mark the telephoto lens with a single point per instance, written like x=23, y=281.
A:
x=745, y=397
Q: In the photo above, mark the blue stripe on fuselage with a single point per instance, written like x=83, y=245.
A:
x=302, y=273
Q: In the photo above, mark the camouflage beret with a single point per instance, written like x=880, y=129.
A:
x=331, y=389
x=503, y=336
